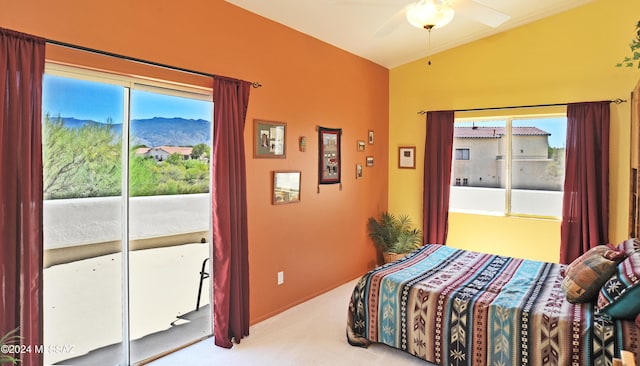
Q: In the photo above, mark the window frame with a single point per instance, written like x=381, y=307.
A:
x=463, y=156
x=508, y=120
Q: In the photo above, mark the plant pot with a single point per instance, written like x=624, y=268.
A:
x=392, y=257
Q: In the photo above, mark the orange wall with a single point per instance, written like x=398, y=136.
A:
x=320, y=242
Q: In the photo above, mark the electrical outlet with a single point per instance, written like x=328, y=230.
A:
x=280, y=278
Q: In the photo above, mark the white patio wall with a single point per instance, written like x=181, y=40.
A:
x=491, y=201
x=81, y=221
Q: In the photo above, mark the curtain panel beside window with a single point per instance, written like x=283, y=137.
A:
x=229, y=195
x=437, y=176
x=585, y=208
x=21, y=71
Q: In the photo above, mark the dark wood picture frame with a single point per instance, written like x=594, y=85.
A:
x=329, y=163
x=269, y=139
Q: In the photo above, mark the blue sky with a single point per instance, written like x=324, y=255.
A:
x=81, y=99
x=557, y=127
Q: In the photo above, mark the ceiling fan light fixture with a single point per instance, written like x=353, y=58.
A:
x=428, y=14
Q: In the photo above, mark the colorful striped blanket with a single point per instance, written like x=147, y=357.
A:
x=456, y=307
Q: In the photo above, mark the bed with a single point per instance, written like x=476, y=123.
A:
x=456, y=307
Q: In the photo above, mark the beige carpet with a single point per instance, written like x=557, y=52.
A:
x=312, y=333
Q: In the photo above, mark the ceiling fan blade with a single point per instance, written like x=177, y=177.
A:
x=481, y=13
x=392, y=23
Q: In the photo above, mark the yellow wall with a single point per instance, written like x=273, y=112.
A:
x=569, y=57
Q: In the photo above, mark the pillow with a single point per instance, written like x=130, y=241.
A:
x=585, y=275
x=629, y=246
x=619, y=297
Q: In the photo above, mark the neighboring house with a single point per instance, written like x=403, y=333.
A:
x=161, y=153
x=479, y=158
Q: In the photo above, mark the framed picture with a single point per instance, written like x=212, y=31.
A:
x=369, y=160
x=407, y=157
x=370, y=137
x=286, y=187
x=329, y=166
x=361, y=145
x=358, y=171
x=269, y=139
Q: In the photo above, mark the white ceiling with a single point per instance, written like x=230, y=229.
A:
x=365, y=27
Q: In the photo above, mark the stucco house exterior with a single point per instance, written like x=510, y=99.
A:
x=161, y=153
x=480, y=154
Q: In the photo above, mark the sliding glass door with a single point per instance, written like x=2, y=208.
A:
x=126, y=217
x=168, y=219
x=83, y=218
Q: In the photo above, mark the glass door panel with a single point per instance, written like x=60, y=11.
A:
x=537, y=174
x=169, y=219
x=83, y=208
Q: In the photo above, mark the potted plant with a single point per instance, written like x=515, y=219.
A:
x=11, y=338
x=630, y=61
x=394, y=236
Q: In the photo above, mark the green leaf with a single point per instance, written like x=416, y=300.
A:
x=634, y=45
x=394, y=234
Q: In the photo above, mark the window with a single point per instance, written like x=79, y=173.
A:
x=462, y=154
x=518, y=165
x=125, y=213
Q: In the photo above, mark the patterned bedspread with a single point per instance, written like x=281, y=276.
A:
x=457, y=307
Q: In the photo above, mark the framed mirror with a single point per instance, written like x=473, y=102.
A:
x=286, y=187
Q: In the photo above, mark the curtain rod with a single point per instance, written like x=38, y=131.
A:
x=616, y=101
x=254, y=84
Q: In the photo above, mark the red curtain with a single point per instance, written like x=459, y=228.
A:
x=229, y=192
x=21, y=72
x=437, y=176
x=585, y=209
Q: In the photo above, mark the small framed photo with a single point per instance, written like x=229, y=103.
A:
x=371, y=137
x=369, y=161
x=361, y=145
x=407, y=157
x=269, y=139
x=286, y=187
x=358, y=171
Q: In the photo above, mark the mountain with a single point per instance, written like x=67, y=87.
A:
x=158, y=131
x=176, y=131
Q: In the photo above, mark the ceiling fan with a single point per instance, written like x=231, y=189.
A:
x=442, y=11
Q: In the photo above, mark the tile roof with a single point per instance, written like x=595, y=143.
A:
x=175, y=149
x=496, y=132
